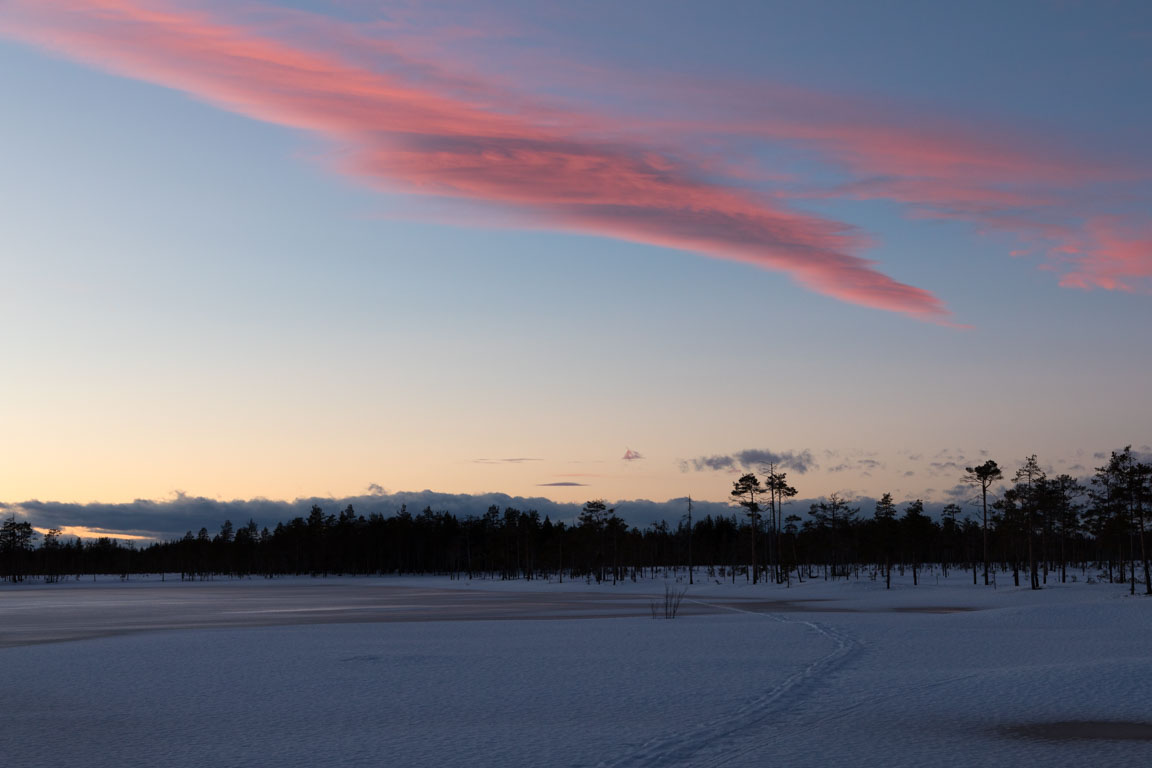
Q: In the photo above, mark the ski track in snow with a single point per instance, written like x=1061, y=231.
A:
x=708, y=744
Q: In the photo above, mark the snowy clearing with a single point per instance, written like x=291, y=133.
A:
x=433, y=672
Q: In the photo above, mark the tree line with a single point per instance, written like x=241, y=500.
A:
x=1036, y=527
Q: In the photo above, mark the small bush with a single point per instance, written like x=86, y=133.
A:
x=671, y=604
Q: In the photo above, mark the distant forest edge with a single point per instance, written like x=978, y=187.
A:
x=1035, y=526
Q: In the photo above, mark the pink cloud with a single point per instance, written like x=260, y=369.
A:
x=1116, y=257
x=1047, y=197
x=1021, y=183
x=428, y=134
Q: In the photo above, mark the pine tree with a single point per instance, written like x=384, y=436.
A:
x=1066, y=491
x=984, y=475
x=1029, y=479
x=776, y=483
x=885, y=516
x=745, y=490
x=15, y=545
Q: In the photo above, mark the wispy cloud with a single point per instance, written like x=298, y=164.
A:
x=514, y=460
x=561, y=484
x=1111, y=254
x=863, y=466
x=1071, y=207
x=631, y=455
x=401, y=109
x=1068, y=204
x=431, y=136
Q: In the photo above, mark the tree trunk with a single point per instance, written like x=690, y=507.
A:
x=984, y=495
x=1063, y=560
x=1035, y=576
x=1144, y=557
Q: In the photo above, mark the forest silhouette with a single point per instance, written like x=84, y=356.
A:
x=1037, y=528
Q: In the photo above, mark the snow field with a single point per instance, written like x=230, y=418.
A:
x=842, y=674
x=438, y=693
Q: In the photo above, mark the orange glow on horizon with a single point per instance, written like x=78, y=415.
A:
x=83, y=532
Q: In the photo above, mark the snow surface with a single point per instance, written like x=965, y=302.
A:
x=433, y=672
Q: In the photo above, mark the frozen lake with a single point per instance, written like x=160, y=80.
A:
x=77, y=610
x=432, y=672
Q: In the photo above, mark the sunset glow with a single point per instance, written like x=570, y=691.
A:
x=338, y=249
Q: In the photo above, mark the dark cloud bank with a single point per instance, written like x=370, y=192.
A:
x=171, y=518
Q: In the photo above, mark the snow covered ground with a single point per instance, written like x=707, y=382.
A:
x=432, y=672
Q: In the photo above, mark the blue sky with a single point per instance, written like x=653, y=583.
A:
x=223, y=300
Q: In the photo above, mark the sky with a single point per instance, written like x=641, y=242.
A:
x=561, y=251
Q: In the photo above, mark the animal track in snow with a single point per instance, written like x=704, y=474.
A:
x=703, y=744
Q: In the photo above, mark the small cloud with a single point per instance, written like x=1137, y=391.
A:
x=516, y=460
x=800, y=462
x=631, y=455
x=375, y=489
x=753, y=458
x=863, y=466
x=561, y=484
x=711, y=462
x=909, y=473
